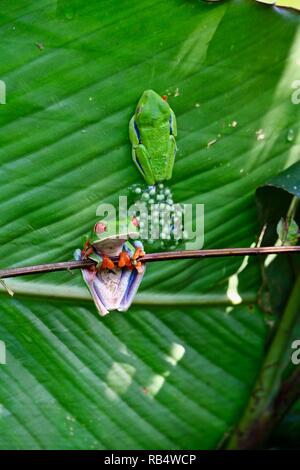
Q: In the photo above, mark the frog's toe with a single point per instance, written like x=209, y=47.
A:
x=139, y=253
x=107, y=263
x=124, y=260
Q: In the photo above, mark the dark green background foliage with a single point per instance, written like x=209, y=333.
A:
x=177, y=369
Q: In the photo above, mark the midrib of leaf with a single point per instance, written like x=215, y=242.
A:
x=41, y=289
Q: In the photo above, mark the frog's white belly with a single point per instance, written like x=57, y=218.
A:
x=113, y=290
x=113, y=285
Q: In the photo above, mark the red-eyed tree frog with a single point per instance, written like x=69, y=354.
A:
x=113, y=284
x=152, y=131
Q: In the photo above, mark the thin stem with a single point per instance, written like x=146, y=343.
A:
x=45, y=268
x=150, y=257
x=292, y=209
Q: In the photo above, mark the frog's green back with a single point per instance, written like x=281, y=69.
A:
x=156, y=140
x=152, y=130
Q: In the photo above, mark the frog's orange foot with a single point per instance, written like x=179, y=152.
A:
x=138, y=254
x=87, y=250
x=124, y=260
x=135, y=260
x=139, y=267
x=131, y=263
x=107, y=263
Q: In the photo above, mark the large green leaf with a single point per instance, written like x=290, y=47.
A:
x=177, y=369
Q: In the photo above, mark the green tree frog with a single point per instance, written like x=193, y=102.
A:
x=113, y=284
x=152, y=131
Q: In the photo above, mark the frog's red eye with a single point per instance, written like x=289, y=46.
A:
x=100, y=227
x=135, y=222
x=164, y=97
